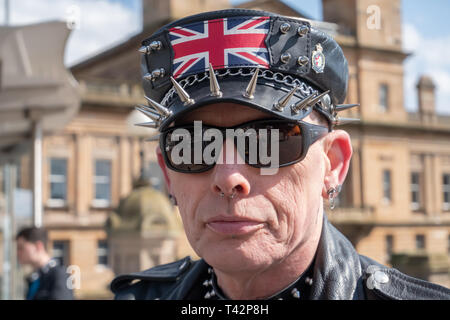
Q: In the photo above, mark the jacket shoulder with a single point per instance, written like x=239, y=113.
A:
x=150, y=283
x=381, y=282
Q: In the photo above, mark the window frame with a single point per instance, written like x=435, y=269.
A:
x=423, y=237
x=445, y=190
x=101, y=202
x=416, y=206
x=383, y=105
x=387, y=200
x=102, y=252
x=57, y=202
x=65, y=252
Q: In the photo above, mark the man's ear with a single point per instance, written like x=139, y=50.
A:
x=338, y=149
x=163, y=167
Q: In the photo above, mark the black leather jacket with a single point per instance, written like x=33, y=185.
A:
x=52, y=283
x=339, y=272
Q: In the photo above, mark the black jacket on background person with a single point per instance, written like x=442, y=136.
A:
x=49, y=283
x=337, y=272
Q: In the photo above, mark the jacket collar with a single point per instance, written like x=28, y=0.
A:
x=337, y=268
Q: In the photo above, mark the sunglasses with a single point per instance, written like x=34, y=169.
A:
x=254, y=141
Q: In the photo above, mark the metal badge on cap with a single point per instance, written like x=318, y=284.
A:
x=318, y=59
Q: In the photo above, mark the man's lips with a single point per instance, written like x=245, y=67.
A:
x=233, y=225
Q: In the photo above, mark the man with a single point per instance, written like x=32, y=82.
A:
x=48, y=280
x=259, y=226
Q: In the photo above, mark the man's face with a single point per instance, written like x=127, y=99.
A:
x=27, y=252
x=270, y=216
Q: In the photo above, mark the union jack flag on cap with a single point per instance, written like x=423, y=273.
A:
x=226, y=42
x=280, y=65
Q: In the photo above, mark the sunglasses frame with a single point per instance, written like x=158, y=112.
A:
x=310, y=132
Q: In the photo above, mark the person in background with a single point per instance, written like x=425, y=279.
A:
x=48, y=281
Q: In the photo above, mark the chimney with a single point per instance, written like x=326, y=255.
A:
x=427, y=99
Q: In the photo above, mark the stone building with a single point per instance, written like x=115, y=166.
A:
x=395, y=201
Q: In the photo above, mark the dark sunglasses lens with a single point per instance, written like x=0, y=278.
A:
x=179, y=148
x=253, y=142
x=290, y=143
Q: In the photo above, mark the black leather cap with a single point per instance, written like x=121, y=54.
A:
x=288, y=52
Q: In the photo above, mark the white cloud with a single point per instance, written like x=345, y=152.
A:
x=430, y=56
x=102, y=23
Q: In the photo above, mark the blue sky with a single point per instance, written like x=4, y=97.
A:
x=426, y=33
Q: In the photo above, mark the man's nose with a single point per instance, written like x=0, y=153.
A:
x=230, y=173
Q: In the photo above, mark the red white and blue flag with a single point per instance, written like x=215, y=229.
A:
x=228, y=42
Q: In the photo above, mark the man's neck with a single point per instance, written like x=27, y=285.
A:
x=267, y=282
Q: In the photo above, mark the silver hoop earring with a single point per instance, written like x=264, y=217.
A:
x=332, y=194
x=173, y=200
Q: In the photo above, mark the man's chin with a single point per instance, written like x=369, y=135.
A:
x=235, y=258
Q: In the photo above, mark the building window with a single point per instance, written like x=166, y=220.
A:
x=383, y=97
x=387, y=188
x=415, y=191
x=102, y=183
x=446, y=191
x=61, y=252
x=420, y=242
x=102, y=252
x=58, y=181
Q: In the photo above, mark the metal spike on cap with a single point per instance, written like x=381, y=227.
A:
x=153, y=125
x=148, y=112
x=251, y=87
x=281, y=104
x=341, y=121
x=317, y=98
x=159, y=108
x=302, y=103
x=213, y=83
x=184, y=96
x=342, y=107
x=143, y=49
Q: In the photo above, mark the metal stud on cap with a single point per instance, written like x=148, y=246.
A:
x=155, y=45
x=302, y=61
x=155, y=74
x=285, y=27
x=302, y=30
x=285, y=57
